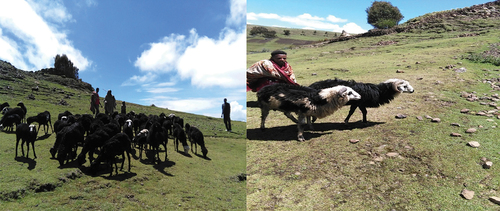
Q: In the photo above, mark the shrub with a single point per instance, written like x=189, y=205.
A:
x=382, y=15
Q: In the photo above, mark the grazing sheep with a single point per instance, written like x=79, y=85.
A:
x=34, y=89
x=42, y=119
x=97, y=139
x=372, y=95
x=64, y=114
x=9, y=121
x=304, y=101
x=119, y=144
x=196, y=137
x=66, y=143
x=180, y=136
x=28, y=134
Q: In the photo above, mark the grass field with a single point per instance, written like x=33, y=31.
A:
x=183, y=182
x=398, y=164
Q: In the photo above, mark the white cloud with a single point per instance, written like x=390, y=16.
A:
x=308, y=21
x=206, y=61
x=161, y=56
x=34, y=34
x=237, y=13
x=334, y=19
x=140, y=80
x=237, y=112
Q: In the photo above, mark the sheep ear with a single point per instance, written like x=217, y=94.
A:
x=342, y=91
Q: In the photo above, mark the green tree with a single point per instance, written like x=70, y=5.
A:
x=64, y=66
x=382, y=15
x=286, y=32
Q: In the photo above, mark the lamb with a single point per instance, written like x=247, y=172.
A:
x=28, y=134
x=140, y=140
x=119, y=144
x=180, y=136
x=195, y=136
x=42, y=119
x=304, y=101
x=372, y=95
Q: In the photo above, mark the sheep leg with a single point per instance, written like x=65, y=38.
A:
x=364, y=111
x=22, y=146
x=309, y=123
x=17, y=142
x=33, y=147
x=264, y=112
x=300, y=127
x=128, y=157
x=123, y=161
x=291, y=117
x=351, y=111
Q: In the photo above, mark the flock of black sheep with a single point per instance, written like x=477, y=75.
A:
x=108, y=136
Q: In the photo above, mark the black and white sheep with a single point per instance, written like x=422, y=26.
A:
x=195, y=136
x=128, y=128
x=180, y=136
x=140, y=140
x=372, y=95
x=119, y=144
x=306, y=102
x=28, y=134
x=42, y=119
x=4, y=107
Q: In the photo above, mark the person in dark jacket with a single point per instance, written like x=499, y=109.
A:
x=226, y=111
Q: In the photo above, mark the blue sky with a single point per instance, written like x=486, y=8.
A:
x=182, y=55
x=331, y=15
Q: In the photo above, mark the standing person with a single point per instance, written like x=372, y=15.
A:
x=124, y=108
x=226, y=111
x=94, y=102
x=109, y=103
x=270, y=71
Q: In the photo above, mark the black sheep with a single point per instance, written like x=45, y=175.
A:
x=372, y=95
x=42, y=119
x=157, y=136
x=28, y=134
x=21, y=111
x=128, y=128
x=95, y=140
x=117, y=145
x=180, y=136
x=196, y=137
x=66, y=143
x=9, y=121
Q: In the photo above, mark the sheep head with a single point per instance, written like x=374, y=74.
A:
x=400, y=85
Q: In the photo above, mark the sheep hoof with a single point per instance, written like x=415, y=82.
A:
x=301, y=138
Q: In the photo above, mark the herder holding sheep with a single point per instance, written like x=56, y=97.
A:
x=270, y=71
x=94, y=102
x=109, y=103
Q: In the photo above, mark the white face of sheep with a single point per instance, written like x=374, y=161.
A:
x=349, y=93
x=401, y=85
x=32, y=128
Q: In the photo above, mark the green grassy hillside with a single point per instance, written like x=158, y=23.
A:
x=182, y=182
x=398, y=164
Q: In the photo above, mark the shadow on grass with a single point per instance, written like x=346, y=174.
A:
x=185, y=154
x=31, y=162
x=163, y=165
x=201, y=156
x=44, y=137
x=289, y=132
